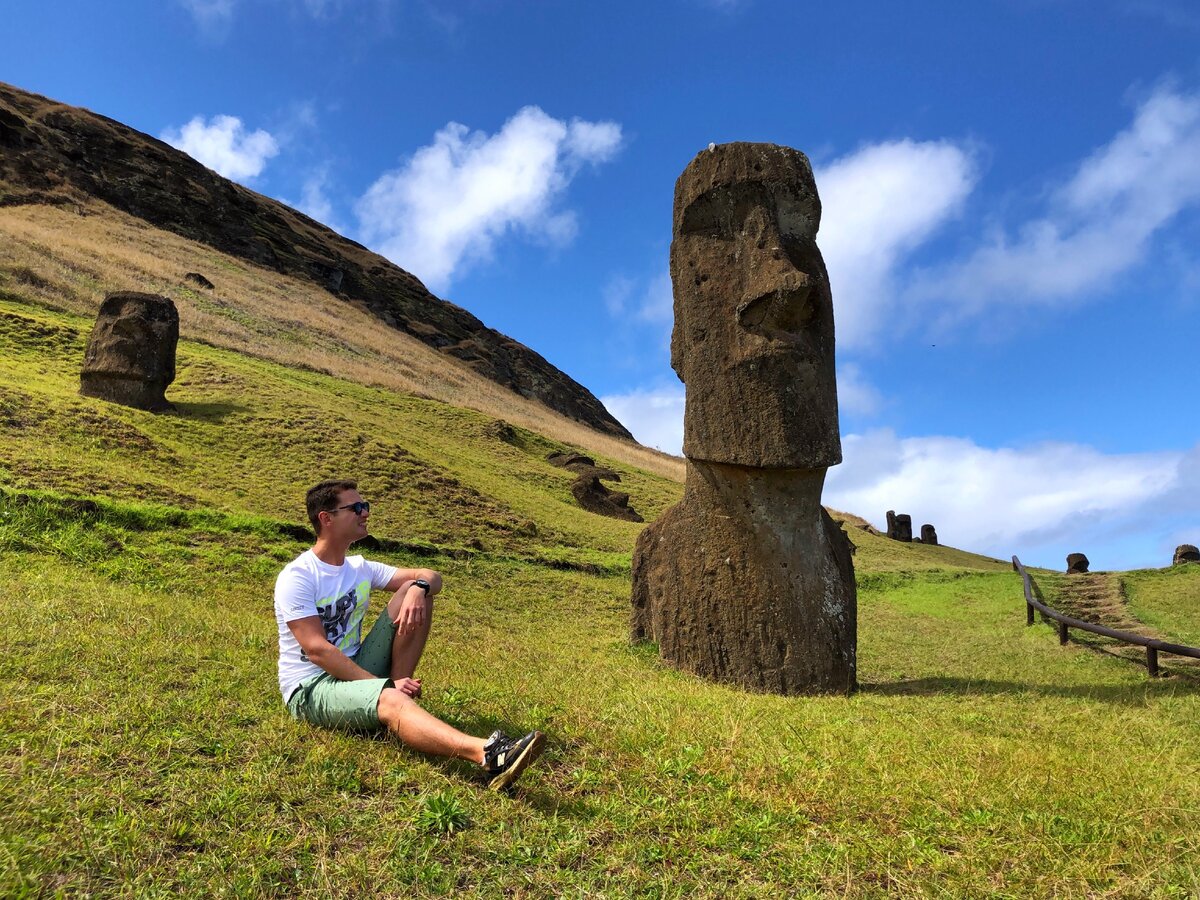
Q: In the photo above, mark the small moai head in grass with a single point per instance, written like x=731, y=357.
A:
x=130, y=356
x=1185, y=553
x=1077, y=564
x=753, y=336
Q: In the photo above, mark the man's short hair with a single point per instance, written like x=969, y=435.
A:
x=324, y=496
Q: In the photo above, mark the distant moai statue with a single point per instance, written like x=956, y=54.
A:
x=747, y=580
x=1077, y=563
x=929, y=535
x=130, y=356
x=899, y=526
x=1185, y=553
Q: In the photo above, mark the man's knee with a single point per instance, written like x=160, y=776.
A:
x=392, y=704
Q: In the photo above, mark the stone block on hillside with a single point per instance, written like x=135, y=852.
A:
x=1185, y=553
x=130, y=356
x=1077, y=563
x=199, y=280
x=929, y=535
x=899, y=526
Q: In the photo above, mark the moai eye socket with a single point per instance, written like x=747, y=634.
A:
x=721, y=212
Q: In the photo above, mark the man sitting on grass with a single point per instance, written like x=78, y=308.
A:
x=331, y=677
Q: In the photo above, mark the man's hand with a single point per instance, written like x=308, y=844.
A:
x=410, y=686
x=409, y=608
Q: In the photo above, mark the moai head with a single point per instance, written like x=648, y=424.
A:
x=753, y=337
x=130, y=356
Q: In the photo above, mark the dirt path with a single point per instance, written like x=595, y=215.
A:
x=1099, y=597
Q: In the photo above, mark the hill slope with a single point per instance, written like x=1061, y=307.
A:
x=145, y=750
x=55, y=154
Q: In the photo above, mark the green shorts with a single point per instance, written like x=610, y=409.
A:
x=354, y=705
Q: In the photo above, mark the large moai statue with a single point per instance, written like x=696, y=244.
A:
x=899, y=526
x=130, y=356
x=747, y=580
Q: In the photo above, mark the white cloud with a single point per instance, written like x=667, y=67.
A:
x=1097, y=225
x=878, y=205
x=454, y=199
x=210, y=15
x=856, y=395
x=1039, y=502
x=616, y=293
x=224, y=145
x=314, y=202
x=653, y=416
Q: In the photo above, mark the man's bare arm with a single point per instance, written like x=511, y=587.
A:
x=403, y=575
x=310, y=634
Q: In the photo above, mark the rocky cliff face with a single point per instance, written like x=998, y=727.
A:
x=52, y=153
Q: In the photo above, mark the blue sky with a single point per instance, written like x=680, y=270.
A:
x=1011, y=192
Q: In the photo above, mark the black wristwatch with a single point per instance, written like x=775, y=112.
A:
x=423, y=585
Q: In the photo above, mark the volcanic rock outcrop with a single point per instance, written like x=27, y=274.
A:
x=130, y=357
x=929, y=535
x=747, y=580
x=588, y=490
x=899, y=526
x=1077, y=563
x=51, y=153
x=1185, y=553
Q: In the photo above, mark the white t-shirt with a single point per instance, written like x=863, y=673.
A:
x=338, y=594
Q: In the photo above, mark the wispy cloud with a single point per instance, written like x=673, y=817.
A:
x=654, y=416
x=212, y=16
x=314, y=199
x=224, y=145
x=1046, y=499
x=879, y=204
x=452, y=201
x=1096, y=226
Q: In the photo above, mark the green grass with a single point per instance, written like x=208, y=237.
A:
x=1168, y=599
x=145, y=752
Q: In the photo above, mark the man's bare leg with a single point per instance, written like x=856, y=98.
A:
x=407, y=648
x=424, y=732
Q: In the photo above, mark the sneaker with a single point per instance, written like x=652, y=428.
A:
x=505, y=758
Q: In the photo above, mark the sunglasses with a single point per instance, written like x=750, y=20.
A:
x=359, y=507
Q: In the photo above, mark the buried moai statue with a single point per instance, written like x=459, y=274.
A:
x=929, y=535
x=1077, y=564
x=899, y=526
x=1185, y=553
x=747, y=580
x=130, y=356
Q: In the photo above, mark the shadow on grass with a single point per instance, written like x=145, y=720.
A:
x=210, y=412
x=1131, y=694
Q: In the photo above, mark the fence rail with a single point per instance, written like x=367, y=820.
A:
x=1153, y=645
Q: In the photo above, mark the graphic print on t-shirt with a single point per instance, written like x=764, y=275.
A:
x=342, y=617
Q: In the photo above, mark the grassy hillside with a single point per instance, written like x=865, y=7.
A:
x=1168, y=599
x=67, y=258
x=144, y=749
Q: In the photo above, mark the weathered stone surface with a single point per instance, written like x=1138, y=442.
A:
x=1077, y=563
x=54, y=153
x=899, y=526
x=588, y=490
x=753, y=335
x=747, y=580
x=929, y=535
x=593, y=496
x=199, y=280
x=130, y=357
x=1185, y=553
x=567, y=460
